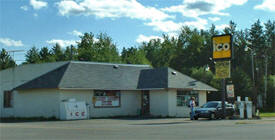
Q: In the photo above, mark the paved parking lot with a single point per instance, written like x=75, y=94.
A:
x=183, y=129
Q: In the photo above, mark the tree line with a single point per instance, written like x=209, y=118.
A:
x=189, y=52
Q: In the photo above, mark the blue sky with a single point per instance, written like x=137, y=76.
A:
x=27, y=23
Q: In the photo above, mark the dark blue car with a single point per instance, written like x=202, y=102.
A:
x=213, y=110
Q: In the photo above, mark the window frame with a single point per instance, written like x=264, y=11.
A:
x=185, y=96
x=104, y=92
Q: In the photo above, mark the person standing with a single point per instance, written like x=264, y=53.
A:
x=192, y=105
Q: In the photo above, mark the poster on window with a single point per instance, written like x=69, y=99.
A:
x=106, y=99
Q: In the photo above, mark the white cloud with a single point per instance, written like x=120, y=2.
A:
x=142, y=38
x=67, y=8
x=221, y=27
x=35, y=15
x=111, y=9
x=165, y=26
x=38, y=4
x=214, y=18
x=196, y=8
x=118, y=9
x=25, y=8
x=76, y=33
x=62, y=43
x=266, y=5
x=173, y=34
x=199, y=23
x=9, y=42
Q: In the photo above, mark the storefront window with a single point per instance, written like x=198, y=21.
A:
x=106, y=98
x=183, y=97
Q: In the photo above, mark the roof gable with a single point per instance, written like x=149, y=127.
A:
x=50, y=79
x=153, y=78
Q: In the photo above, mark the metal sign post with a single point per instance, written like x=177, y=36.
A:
x=222, y=53
x=223, y=98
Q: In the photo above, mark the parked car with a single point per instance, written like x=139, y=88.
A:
x=213, y=110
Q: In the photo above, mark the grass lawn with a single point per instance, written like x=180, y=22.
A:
x=267, y=114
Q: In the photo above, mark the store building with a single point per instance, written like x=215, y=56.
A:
x=36, y=90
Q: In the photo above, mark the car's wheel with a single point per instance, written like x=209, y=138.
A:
x=212, y=116
x=196, y=118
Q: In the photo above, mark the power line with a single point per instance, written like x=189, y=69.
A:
x=14, y=51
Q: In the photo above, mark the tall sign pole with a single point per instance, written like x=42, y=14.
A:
x=222, y=54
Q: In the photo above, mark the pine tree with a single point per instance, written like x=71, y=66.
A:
x=6, y=60
x=32, y=56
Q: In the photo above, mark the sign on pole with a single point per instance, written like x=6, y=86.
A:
x=223, y=69
x=230, y=90
x=222, y=52
x=222, y=47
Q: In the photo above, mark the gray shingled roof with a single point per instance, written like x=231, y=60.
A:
x=90, y=75
x=102, y=76
x=169, y=78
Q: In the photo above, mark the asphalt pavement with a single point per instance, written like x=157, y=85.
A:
x=137, y=129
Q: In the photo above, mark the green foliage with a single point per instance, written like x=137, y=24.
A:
x=160, y=53
x=202, y=74
x=102, y=50
x=70, y=53
x=6, y=60
x=32, y=56
x=270, y=43
x=133, y=56
x=271, y=92
x=45, y=55
x=58, y=53
x=242, y=83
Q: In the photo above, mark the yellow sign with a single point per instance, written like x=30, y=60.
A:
x=221, y=46
x=222, y=69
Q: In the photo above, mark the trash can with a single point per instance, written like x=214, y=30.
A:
x=248, y=109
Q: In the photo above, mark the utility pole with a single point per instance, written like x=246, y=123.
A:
x=13, y=69
x=13, y=72
x=252, y=66
x=253, y=78
x=71, y=54
x=265, y=82
x=254, y=89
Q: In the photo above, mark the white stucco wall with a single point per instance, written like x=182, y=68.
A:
x=46, y=103
x=202, y=98
x=13, y=77
x=34, y=103
x=159, y=103
x=181, y=111
x=130, y=103
x=174, y=110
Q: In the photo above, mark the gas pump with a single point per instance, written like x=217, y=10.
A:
x=248, y=105
x=241, y=109
x=240, y=106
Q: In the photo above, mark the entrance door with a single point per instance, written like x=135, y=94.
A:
x=145, y=102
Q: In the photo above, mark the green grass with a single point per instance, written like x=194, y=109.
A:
x=267, y=114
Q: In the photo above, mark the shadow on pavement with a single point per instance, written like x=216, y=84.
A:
x=165, y=123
